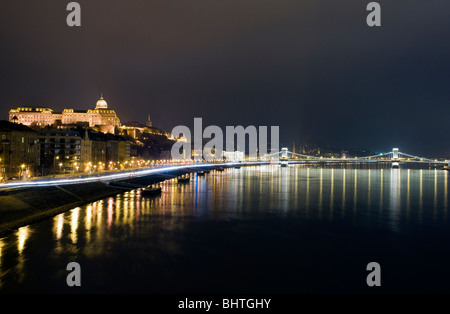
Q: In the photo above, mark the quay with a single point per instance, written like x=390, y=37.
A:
x=26, y=202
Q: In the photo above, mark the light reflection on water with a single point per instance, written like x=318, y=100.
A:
x=151, y=230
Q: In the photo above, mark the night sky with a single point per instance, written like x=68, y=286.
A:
x=313, y=67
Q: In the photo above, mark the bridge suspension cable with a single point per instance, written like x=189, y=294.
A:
x=305, y=156
x=374, y=156
x=421, y=158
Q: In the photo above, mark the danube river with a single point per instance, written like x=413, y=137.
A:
x=260, y=229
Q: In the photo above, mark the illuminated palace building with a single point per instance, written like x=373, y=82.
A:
x=101, y=117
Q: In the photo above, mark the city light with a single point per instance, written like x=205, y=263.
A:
x=120, y=175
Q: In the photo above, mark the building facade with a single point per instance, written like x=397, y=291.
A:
x=60, y=150
x=101, y=116
x=103, y=151
x=19, y=151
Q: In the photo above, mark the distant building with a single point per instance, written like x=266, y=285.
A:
x=100, y=151
x=124, y=151
x=93, y=155
x=19, y=150
x=98, y=156
x=197, y=154
x=136, y=129
x=117, y=150
x=60, y=150
x=102, y=117
x=233, y=156
x=86, y=150
x=81, y=150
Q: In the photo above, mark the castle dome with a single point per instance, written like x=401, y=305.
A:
x=101, y=103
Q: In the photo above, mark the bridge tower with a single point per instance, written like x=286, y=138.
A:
x=395, y=158
x=284, y=157
x=395, y=153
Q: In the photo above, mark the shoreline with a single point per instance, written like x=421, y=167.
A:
x=10, y=227
x=25, y=206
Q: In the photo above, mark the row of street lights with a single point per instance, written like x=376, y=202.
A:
x=90, y=167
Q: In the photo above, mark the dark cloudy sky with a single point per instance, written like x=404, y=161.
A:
x=313, y=67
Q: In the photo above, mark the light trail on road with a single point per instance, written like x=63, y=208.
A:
x=117, y=176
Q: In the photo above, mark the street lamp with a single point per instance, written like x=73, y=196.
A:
x=60, y=165
x=55, y=158
x=23, y=173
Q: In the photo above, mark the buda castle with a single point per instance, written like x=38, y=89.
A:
x=100, y=117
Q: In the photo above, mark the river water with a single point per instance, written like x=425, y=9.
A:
x=260, y=229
